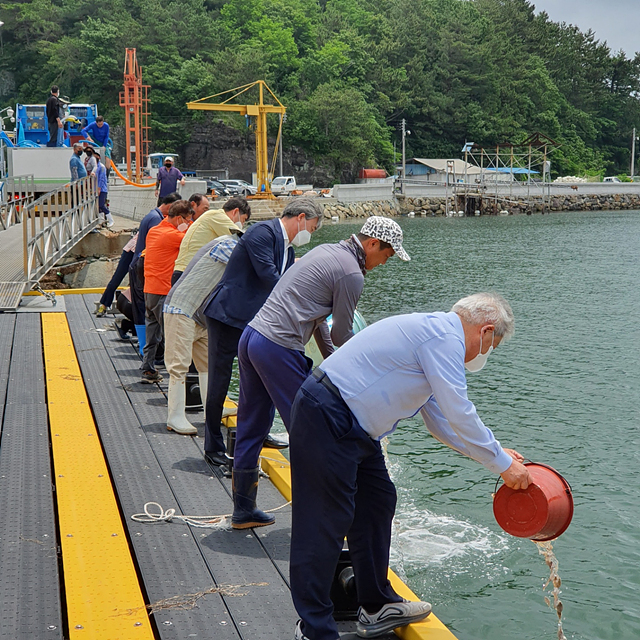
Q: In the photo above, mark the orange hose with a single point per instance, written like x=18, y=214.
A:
x=134, y=184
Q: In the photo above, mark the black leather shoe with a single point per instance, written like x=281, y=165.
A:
x=122, y=334
x=217, y=458
x=271, y=442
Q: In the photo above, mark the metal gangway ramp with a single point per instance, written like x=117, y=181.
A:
x=35, y=234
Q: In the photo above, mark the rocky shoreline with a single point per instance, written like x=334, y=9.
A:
x=437, y=206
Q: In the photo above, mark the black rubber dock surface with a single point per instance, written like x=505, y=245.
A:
x=149, y=463
x=30, y=601
x=246, y=570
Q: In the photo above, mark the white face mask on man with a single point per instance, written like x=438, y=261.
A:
x=476, y=364
x=302, y=237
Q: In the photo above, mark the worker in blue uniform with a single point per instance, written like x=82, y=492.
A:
x=341, y=488
x=98, y=131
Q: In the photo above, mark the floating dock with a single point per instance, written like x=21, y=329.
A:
x=83, y=447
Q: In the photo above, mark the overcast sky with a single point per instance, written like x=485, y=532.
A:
x=616, y=21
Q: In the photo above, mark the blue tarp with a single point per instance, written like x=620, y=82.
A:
x=515, y=170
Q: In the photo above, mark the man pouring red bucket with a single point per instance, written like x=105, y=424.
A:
x=387, y=372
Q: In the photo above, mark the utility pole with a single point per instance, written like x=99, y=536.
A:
x=405, y=133
x=281, y=123
x=633, y=154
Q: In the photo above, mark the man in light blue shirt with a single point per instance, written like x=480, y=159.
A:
x=390, y=371
x=103, y=190
x=76, y=166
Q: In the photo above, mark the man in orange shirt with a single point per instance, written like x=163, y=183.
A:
x=162, y=247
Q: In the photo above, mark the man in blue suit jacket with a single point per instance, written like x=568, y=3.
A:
x=261, y=256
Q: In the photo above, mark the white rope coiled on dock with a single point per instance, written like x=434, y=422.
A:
x=220, y=522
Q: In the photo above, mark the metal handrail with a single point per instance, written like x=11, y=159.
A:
x=17, y=192
x=55, y=222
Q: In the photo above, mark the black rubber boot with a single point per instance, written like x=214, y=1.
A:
x=245, y=489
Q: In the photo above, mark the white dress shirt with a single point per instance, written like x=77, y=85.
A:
x=287, y=244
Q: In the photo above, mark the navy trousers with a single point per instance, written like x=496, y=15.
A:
x=102, y=203
x=136, y=284
x=118, y=276
x=340, y=487
x=222, y=349
x=269, y=375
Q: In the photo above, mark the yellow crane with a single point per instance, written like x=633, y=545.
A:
x=258, y=111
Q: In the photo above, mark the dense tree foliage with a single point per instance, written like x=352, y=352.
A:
x=348, y=71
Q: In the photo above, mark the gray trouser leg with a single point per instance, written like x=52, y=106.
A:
x=154, y=322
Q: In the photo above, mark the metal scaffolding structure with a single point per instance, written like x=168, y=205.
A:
x=135, y=101
x=529, y=157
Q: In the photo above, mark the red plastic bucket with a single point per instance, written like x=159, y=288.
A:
x=542, y=511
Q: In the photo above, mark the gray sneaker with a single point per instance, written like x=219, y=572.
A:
x=391, y=616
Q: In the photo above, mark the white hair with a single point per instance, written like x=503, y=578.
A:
x=487, y=308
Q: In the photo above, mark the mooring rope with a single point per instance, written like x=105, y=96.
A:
x=203, y=522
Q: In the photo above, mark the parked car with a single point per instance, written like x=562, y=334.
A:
x=285, y=185
x=244, y=188
x=216, y=188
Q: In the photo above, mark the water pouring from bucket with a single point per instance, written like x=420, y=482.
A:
x=541, y=512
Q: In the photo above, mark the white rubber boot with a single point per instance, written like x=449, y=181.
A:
x=177, y=421
x=203, y=379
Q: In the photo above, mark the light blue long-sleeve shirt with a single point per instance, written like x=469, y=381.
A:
x=101, y=175
x=76, y=167
x=414, y=363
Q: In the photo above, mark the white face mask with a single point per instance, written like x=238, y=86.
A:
x=183, y=227
x=476, y=364
x=239, y=225
x=302, y=237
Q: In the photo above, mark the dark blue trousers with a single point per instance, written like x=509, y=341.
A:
x=102, y=203
x=222, y=350
x=136, y=284
x=118, y=276
x=269, y=375
x=340, y=488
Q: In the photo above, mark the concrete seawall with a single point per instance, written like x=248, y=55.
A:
x=134, y=203
x=437, y=206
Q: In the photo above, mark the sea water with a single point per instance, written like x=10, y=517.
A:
x=564, y=391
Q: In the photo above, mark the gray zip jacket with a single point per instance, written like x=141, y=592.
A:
x=326, y=281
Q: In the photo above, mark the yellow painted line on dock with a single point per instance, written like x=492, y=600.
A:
x=279, y=471
x=103, y=595
x=71, y=292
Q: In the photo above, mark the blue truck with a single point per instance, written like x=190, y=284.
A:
x=32, y=127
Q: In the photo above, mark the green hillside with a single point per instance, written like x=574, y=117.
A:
x=348, y=70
